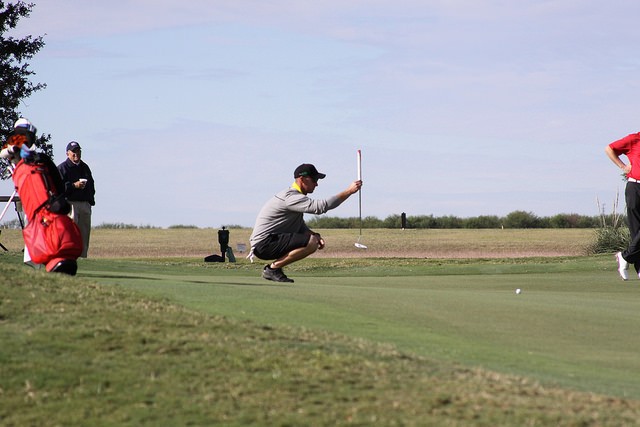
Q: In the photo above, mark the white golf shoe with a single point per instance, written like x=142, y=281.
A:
x=623, y=266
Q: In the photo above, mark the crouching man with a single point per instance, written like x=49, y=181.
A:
x=280, y=232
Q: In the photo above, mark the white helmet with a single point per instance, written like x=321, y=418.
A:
x=24, y=124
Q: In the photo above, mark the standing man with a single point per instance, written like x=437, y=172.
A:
x=280, y=232
x=79, y=189
x=630, y=147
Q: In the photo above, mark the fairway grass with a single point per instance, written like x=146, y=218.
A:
x=573, y=325
x=354, y=341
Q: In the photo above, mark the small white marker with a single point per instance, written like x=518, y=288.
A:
x=518, y=291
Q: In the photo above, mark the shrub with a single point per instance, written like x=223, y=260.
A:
x=612, y=235
x=522, y=219
x=610, y=239
x=483, y=221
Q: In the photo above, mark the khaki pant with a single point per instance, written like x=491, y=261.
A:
x=81, y=215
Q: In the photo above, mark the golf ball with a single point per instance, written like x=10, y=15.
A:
x=518, y=291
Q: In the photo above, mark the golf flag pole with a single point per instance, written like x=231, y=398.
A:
x=359, y=163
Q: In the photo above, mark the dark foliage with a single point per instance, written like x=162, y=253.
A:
x=516, y=219
x=15, y=74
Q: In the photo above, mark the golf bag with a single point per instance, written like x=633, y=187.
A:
x=225, y=249
x=51, y=237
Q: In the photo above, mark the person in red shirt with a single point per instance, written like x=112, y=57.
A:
x=630, y=147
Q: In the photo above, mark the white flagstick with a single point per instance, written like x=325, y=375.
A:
x=359, y=161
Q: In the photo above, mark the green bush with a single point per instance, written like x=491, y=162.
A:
x=612, y=235
x=610, y=239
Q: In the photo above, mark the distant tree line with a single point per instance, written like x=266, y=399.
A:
x=515, y=219
x=122, y=226
x=16, y=224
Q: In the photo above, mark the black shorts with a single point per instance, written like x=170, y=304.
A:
x=277, y=245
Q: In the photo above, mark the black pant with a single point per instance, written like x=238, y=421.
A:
x=276, y=246
x=632, y=198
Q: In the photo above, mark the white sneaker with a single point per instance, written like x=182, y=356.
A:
x=623, y=266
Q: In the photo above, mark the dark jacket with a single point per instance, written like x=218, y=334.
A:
x=70, y=173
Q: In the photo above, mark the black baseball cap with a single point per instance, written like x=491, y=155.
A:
x=73, y=146
x=307, y=169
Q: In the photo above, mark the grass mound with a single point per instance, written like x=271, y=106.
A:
x=74, y=352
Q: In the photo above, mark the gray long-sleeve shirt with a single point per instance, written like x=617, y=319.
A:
x=284, y=213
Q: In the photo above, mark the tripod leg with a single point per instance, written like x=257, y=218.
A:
x=3, y=246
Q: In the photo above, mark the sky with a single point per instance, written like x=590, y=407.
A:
x=196, y=112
